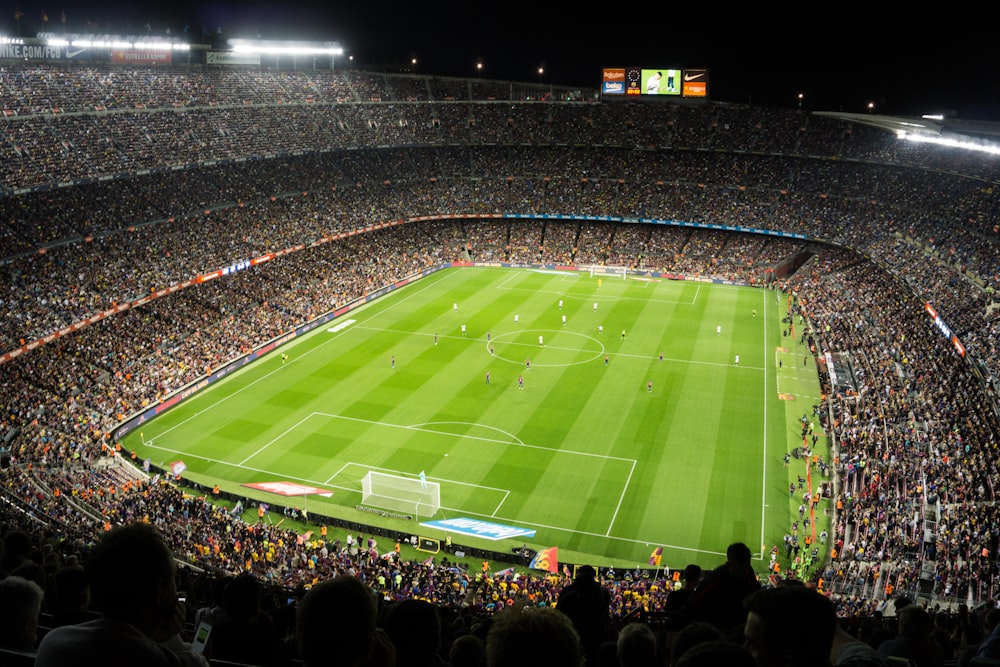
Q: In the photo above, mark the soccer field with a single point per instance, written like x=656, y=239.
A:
x=607, y=451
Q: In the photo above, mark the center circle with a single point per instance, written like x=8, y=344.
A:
x=528, y=340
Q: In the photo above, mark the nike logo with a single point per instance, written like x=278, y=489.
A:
x=692, y=77
x=74, y=54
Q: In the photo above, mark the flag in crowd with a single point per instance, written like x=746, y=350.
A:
x=546, y=559
x=656, y=557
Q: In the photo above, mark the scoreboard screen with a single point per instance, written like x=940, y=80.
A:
x=660, y=81
x=655, y=81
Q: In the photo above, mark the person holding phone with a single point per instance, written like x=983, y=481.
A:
x=132, y=583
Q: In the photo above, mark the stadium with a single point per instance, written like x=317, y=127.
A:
x=258, y=306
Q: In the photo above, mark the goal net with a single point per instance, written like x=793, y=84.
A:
x=599, y=270
x=400, y=494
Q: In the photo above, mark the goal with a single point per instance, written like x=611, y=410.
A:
x=400, y=494
x=599, y=270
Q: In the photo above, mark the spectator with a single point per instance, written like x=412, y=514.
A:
x=335, y=625
x=72, y=597
x=637, y=646
x=678, y=598
x=848, y=651
x=248, y=636
x=467, y=651
x=914, y=640
x=990, y=646
x=414, y=628
x=17, y=548
x=588, y=605
x=973, y=639
x=20, y=608
x=715, y=654
x=692, y=635
x=718, y=599
x=533, y=637
x=132, y=583
x=214, y=613
x=790, y=626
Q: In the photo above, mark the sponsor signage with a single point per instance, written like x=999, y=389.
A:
x=225, y=58
x=141, y=56
x=35, y=52
x=288, y=489
x=694, y=83
x=613, y=81
x=478, y=528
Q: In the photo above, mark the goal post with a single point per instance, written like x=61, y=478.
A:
x=400, y=494
x=600, y=271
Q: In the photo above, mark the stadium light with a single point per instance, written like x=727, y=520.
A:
x=964, y=144
x=118, y=42
x=285, y=48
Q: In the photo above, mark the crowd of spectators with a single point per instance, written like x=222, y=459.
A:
x=916, y=443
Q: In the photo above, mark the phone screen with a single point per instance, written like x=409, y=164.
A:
x=201, y=637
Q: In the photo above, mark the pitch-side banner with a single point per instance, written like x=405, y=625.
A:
x=288, y=489
x=479, y=528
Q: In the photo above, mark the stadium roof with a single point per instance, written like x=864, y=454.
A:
x=927, y=126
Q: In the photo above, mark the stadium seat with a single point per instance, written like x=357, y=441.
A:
x=984, y=662
x=12, y=658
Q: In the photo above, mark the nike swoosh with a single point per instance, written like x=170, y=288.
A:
x=692, y=77
x=74, y=54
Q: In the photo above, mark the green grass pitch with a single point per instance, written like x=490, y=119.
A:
x=585, y=453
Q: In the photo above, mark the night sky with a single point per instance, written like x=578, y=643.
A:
x=903, y=70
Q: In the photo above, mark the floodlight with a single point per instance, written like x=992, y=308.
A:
x=123, y=42
x=285, y=48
